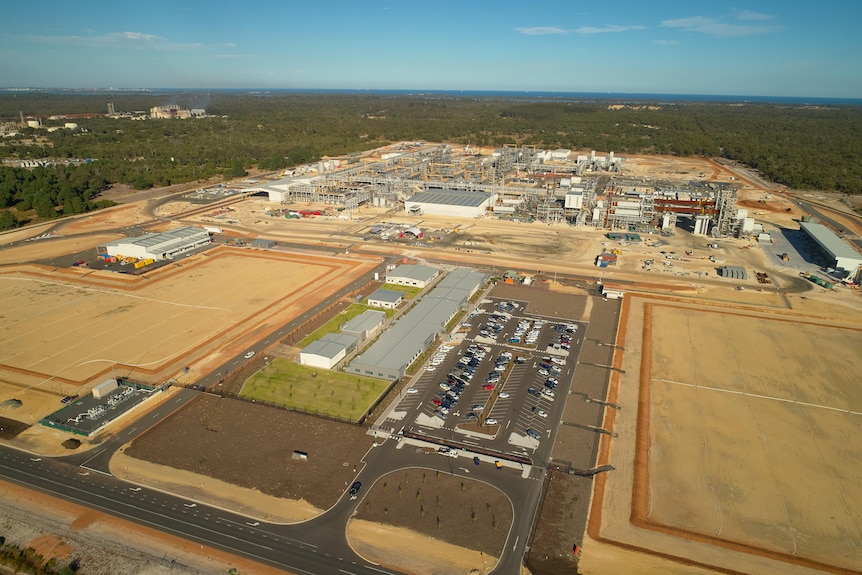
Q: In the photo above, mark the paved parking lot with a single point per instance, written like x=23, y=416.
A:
x=503, y=388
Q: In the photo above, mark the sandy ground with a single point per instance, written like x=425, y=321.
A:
x=736, y=469
x=615, y=545
x=74, y=330
x=411, y=552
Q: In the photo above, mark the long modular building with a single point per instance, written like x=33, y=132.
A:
x=410, y=336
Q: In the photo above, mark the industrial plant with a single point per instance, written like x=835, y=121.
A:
x=517, y=183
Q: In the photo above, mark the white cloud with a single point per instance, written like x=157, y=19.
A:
x=608, y=28
x=542, y=30
x=132, y=40
x=749, y=15
x=716, y=27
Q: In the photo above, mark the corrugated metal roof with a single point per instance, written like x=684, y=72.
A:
x=408, y=336
x=330, y=345
x=837, y=247
x=414, y=272
x=163, y=241
x=366, y=321
x=386, y=295
x=451, y=198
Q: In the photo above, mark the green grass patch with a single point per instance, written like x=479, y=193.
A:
x=334, y=325
x=331, y=393
x=409, y=292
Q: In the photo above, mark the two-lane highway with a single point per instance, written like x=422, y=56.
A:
x=294, y=548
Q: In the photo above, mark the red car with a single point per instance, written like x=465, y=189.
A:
x=436, y=401
x=487, y=387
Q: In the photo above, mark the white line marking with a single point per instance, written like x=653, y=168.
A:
x=769, y=397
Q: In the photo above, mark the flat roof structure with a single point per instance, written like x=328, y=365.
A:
x=411, y=274
x=327, y=351
x=733, y=272
x=464, y=203
x=363, y=324
x=395, y=350
x=160, y=246
x=840, y=252
x=263, y=243
x=385, y=298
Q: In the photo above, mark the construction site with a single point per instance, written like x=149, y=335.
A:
x=519, y=183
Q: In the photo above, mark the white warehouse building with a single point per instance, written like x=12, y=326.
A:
x=458, y=203
x=160, y=246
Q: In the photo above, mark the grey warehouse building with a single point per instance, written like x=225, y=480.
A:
x=365, y=325
x=412, y=275
x=327, y=351
x=395, y=350
x=385, y=298
x=459, y=203
x=159, y=246
x=838, y=252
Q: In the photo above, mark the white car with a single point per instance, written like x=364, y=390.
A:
x=547, y=393
x=412, y=390
x=249, y=355
x=542, y=413
x=490, y=421
x=503, y=395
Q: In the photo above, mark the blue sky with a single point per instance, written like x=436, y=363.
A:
x=756, y=48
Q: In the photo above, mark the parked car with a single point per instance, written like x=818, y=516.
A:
x=490, y=421
x=540, y=412
x=412, y=390
x=488, y=387
x=534, y=434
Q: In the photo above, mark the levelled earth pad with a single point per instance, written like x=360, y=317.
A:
x=451, y=511
x=750, y=427
x=252, y=446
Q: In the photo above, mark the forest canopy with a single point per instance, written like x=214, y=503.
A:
x=799, y=146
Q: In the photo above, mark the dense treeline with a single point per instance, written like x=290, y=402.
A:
x=798, y=146
x=50, y=192
x=26, y=560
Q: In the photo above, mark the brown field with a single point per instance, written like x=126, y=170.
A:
x=744, y=458
x=736, y=446
x=73, y=327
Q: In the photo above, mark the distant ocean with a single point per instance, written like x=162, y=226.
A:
x=619, y=97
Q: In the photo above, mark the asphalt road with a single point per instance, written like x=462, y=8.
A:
x=318, y=546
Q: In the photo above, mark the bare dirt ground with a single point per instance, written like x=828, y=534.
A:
x=529, y=248
x=74, y=329
x=723, y=475
x=443, y=508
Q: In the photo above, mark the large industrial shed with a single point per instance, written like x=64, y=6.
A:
x=327, y=351
x=839, y=253
x=459, y=203
x=412, y=275
x=395, y=350
x=160, y=246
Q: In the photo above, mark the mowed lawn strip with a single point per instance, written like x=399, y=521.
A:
x=332, y=393
x=409, y=292
x=334, y=325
